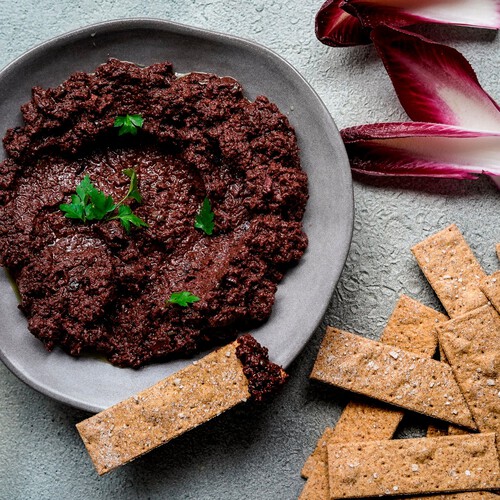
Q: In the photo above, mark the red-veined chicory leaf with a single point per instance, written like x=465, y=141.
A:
x=422, y=150
x=337, y=28
x=434, y=82
x=477, y=13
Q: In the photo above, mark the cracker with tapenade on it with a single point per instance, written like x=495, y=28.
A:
x=452, y=270
x=391, y=375
x=180, y=402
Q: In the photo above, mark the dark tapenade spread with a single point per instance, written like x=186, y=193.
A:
x=264, y=377
x=95, y=287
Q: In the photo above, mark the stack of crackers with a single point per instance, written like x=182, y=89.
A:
x=459, y=458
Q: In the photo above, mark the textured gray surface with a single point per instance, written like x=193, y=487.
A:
x=258, y=453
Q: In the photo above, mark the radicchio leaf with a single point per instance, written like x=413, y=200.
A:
x=422, y=150
x=434, y=82
x=477, y=13
x=337, y=28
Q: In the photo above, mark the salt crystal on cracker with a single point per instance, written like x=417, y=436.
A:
x=472, y=346
x=374, y=468
x=452, y=270
x=411, y=381
x=162, y=412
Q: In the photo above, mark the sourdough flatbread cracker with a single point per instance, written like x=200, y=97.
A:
x=411, y=326
x=490, y=285
x=414, y=466
x=498, y=250
x=452, y=270
x=162, y=412
x=472, y=345
x=391, y=375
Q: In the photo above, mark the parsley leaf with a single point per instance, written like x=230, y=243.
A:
x=74, y=210
x=129, y=124
x=89, y=203
x=126, y=217
x=133, y=190
x=204, y=220
x=182, y=298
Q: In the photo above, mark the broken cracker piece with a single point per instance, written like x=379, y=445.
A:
x=452, y=270
x=490, y=285
x=178, y=403
x=391, y=375
x=414, y=466
x=472, y=346
x=411, y=326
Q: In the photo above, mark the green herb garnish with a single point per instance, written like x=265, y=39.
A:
x=126, y=217
x=89, y=203
x=128, y=124
x=133, y=190
x=205, y=218
x=182, y=298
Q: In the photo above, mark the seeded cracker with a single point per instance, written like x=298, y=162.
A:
x=414, y=466
x=490, y=285
x=162, y=412
x=391, y=375
x=472, y=345
x=411, y=327
x=452, y=270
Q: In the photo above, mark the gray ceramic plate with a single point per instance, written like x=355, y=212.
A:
x=302, y=297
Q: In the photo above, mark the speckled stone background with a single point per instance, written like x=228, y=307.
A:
x=258, y=454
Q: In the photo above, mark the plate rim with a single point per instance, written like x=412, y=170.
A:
x=150, y=23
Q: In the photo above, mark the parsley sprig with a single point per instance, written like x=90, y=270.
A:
x=129, y=124
x=182, y=298
x=204, y=220
x=89, y=203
